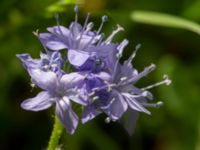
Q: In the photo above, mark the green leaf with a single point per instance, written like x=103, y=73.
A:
x=166, y=20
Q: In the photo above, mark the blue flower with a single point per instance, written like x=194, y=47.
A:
x=83, y=45
x=120, y=91
x=101, y=84
x=56, y=90
x=48, y=62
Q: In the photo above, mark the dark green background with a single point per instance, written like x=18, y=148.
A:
x=176, y=52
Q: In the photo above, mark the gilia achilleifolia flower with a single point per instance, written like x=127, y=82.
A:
x=86, y=48
x=99, y=84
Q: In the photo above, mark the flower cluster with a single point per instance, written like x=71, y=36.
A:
x=96, y=81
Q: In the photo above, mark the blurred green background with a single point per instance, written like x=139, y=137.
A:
x=176, y=52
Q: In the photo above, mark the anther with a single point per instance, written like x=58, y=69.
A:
x=159, y=104
x=76, y=10
x=91, y=94
x=167, y=80
x=147, y=94
x=95, y=98
x=108, y=120
x=104, y=18
x=123, y=78
x=154, y=105
x=109, y=39
x=89, y=26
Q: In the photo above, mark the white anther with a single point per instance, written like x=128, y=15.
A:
x=91, y=94
x=159, y=104
x=123, y=78
x=108, y=120
x=167, y=80
x=147, y=94
x=54, y=65
x=109, y=39
x=46, y=66
x=95, y=98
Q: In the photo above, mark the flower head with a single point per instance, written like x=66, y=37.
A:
x=99, y=84
x=56, y=90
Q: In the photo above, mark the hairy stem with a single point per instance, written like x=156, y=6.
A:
x=55, y=135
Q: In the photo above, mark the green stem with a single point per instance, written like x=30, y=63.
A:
x=55, y=135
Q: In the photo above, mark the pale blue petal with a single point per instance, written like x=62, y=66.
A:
x=66, y=115
x=77, y=58
x=89, y=113
x=40, y=102
x=45, y=80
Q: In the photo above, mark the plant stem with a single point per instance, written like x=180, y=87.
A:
x=55, y=135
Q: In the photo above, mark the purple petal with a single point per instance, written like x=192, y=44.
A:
x=40, y=102
x=45, y=80
x=89, y=113
x=28, y=62
x=104, y=76
x=71, y=80
x=53, y=42
x=134, y=104
x=129, y=120
x=77, y=58
x=61, y=30
x=66, y=115
x=75, y=29
x=118, y=107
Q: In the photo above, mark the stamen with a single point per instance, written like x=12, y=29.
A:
x=32, y=85
x=121, y=47
x=147, y=94
x=166, y=81
x=56, y=15
x=101, y=38
x=109, y=39
x=138, y=46
x=108, y=120
x=54, y=65
x=86, y=22
x=91, y=94
x=123, y=78
x=95, y=98
x=104, y=19
x=106, y=107
x=154, y=105
x=145, y=72
x=89, y=26
x=36, y=33
x=84, y=27
x=76, y=10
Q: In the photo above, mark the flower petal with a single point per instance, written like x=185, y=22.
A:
x=71, y=80
x=40, y=102
x=45, y=80
x=66, y=115
x=61, y=30
x=118, y=107
x=77, y=58
x=129, y=120
x=28, y=62
x=89, y=113
x=134, y=104
x=53, y=42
